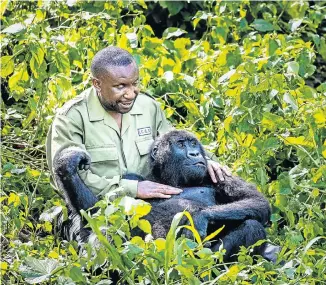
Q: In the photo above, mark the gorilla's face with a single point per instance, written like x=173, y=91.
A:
x=178, y=157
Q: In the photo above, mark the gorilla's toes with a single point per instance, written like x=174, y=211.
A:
x=271, y=252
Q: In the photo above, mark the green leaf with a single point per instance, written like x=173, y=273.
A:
x=7, y=66
x=51, y=213
x=293, y=67
x=76, y=274
x=262, y=25
x=295, y=24
x=174, y=7
x=173, y=32
x=20, y=75
x=14, y=29
x=145, y=226
x=36, y=271
x=288, y=98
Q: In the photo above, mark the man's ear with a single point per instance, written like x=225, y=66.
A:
x=154, y=152
x=96, y=84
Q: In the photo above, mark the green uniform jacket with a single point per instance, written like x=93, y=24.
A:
x=83, y=122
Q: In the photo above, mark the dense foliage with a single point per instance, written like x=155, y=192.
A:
x=246, y=77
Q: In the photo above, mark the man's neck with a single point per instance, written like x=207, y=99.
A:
x=117, y=117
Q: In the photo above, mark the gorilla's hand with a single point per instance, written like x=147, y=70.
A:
x=67, y=161
x=147, y=189
x=217, y=170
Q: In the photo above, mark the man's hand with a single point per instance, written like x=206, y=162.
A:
x=217, y=170
x=147, y=189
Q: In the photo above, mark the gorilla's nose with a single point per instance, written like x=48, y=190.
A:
x=193, y=153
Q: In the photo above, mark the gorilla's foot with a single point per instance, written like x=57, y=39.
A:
x=270, y=252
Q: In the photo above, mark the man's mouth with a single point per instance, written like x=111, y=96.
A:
x=127, y=104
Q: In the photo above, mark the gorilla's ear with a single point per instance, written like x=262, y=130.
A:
x=154, y=152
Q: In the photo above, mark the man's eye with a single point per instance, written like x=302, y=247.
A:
x=135, y=83
x=120, y=86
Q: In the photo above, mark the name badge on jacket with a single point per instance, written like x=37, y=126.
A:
x=144, y=131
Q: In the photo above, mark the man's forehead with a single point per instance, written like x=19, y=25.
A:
x=130, y=70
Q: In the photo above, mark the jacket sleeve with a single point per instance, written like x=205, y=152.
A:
x=66, y=132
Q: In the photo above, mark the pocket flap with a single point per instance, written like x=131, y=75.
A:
x=103, y=153
x=144, y=146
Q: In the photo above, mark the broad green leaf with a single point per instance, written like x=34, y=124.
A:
x=295, y=24
x=192, y=108
x=76, y=274
x=262, y=25
x=293, y=67
x=174, y=7
x=145, y=226
x=19, y=75
x=7, y=66
x=173, y=32
x=36, y=271
x=51, y=213
x=14, y=29
x=288, y=98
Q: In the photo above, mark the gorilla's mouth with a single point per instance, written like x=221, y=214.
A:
x=200, y=164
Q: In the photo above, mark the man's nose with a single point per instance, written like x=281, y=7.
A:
x=131, y=93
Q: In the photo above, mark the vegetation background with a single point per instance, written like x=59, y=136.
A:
x=247, y=77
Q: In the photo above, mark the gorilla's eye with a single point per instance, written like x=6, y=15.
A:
x=181, y=144
x=193, y=143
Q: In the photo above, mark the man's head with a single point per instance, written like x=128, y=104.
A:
x=115, y=77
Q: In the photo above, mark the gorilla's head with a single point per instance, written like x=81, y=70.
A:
x=178, y=158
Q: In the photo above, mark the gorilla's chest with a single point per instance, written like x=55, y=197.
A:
x=204, y=196
x=192, y=199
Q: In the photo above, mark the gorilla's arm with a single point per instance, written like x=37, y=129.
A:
x=65, y=166
x=240, y=201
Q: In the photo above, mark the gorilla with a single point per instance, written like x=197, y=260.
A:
x=177, y=159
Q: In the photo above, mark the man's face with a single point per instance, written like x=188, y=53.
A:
x=118, y=88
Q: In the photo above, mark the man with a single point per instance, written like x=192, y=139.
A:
x=116, y=125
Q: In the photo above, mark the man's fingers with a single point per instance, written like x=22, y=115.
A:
x=219, y=173
x=169, y=190
x=211, y=172
x=160, y=195
x=227, y=170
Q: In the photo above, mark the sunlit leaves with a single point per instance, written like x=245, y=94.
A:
x=235, y=73
x=7, y=66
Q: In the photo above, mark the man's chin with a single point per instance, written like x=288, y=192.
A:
x=124, y=109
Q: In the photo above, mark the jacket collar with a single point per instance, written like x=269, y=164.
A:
x=97, y=113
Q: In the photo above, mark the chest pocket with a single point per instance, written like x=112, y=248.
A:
x=144, y=145
x=104, y=161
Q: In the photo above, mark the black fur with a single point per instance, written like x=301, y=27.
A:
x=178, y=159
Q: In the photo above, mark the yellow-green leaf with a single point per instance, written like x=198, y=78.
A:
x=20, y=75
x=303, y=141
x=7, y=66
x=145, y=226
x=13, y=199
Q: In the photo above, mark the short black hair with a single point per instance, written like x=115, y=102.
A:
x=110, y=56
